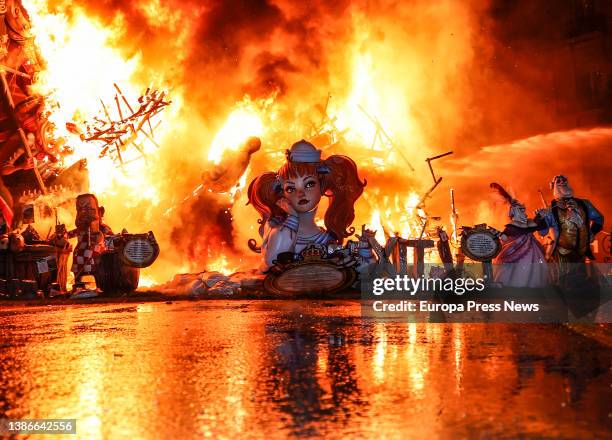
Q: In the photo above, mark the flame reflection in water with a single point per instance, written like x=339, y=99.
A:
x=278, y=369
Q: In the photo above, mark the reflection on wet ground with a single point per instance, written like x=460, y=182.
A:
x=279, y=369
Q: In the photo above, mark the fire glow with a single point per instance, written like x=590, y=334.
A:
x=81, y=65
x=84, y=58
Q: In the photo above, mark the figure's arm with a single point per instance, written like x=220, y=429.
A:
x=596, y=218
x=540, y=223
x=281, y=237
x=544, y=220
x=277, y=239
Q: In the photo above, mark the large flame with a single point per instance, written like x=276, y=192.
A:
x=83, y=61
x=82, y=64
x=395, y=86
x=242, y=122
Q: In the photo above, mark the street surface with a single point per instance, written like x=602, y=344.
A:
x=277, y=369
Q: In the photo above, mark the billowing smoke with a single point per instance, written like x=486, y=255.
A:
x=439, y=76
x=526, y=167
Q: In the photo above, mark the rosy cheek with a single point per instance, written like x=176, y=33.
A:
x=314, y=195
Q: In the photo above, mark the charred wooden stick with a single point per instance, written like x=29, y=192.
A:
x=119, y=108
x=454, y=215
x=123, y=97
x=428, y=193
x=150, y=137
x=110, y=121
x=381, y=132
x=419, y=246
x=118, y=149
x=383, y=259
x=542, y=198
x=140, y=150
x=104, y=151
x=400, y=256
x=127, y=103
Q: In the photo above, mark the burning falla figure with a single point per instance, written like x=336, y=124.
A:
x=223, y=176
x=521, y=262
x=288, y=199
x=90, y=231
x=574, y=223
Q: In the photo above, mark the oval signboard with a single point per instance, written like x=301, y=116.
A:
x=480, y=244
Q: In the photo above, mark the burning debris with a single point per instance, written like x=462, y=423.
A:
x=115, y=135
x=226, y=174
x=215, y=284
x=325, y=132
x=382, y=141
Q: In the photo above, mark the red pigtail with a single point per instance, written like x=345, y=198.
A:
x=263, y=194
x=344, y=187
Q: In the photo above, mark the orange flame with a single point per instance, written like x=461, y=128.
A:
x=84, y=58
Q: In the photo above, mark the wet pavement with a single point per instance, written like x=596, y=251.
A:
x=276, y=369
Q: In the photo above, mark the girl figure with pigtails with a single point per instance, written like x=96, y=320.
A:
x=288, y=200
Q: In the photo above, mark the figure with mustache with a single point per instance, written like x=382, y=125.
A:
x=90, y=231
x=574, y=223
x=287, y=201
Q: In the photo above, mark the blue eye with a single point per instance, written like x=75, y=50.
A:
x=310, y=184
